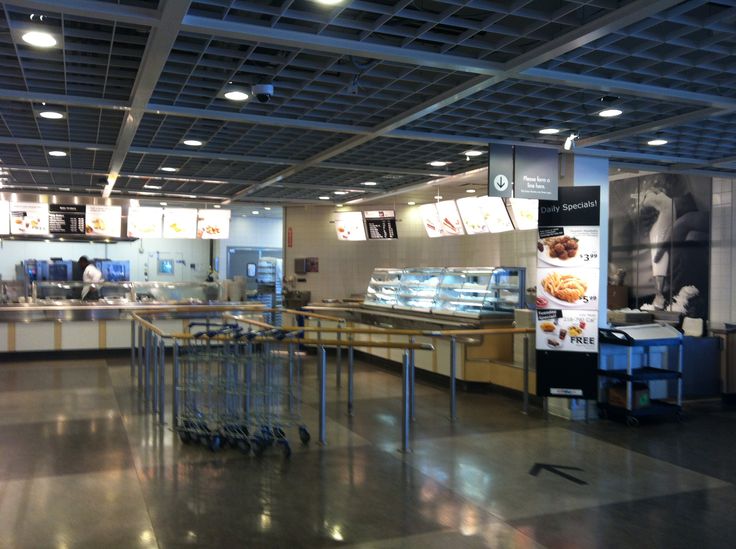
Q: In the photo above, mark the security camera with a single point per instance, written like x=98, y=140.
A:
x=263, y=92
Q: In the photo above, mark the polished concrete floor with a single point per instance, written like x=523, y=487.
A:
x=83, y=465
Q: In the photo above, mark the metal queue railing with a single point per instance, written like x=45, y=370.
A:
x=148, y=361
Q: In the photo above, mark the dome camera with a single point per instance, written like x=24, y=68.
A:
x=263, y=92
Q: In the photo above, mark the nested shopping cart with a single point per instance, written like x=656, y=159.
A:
x=237, y=387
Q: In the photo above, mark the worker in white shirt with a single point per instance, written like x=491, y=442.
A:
x=90, y=275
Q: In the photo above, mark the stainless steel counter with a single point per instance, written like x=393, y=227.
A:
x=74, y=310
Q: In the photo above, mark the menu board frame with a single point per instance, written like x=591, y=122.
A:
x=71, y=215
x=103, y=220
x=213, y=224
x=153, y=215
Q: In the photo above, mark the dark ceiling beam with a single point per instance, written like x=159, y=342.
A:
x=611, y=22
x=94, y=9
x=160, y=41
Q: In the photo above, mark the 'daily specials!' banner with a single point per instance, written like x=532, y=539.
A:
x=568, y=263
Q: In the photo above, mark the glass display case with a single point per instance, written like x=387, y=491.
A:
x=383, y=287
x=124, y=292
x=418, y=288
x=471, y=292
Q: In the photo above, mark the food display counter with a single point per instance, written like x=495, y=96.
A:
x=435, y=299
x=53, y=322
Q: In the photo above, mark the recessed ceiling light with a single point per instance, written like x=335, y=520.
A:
x=657, y=142
x=192, y=142
x=255, y=212
x=472, y=152
x=470, y=190
x=39, y=39
x=324, y=197
x=51, y=115
x=549, y=131
x=438, y=197
x=438, y=163
x=217, y=206
x=164, y=203
x=340, y=205
x=370, y=183
x=610, y=113
x=329, y=2
x=151, y=186
x=57, y=153
x=64, y=189
x=236, y=95
x=169, y=169
x=267, y=208
x=411, y=203
x=341, y=192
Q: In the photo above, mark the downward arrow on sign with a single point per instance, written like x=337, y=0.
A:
x=537, y=468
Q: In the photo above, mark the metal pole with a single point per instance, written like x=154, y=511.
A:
x=154, y=372
x=322, y=395
x=525, y=408
x=545, y=407
x=338, y=366
x=405, y=404
x=175, y=387
x=411, y=380
x=162, y=381
x=453, y=383
x=132, y=349
x=351, y=364
x=141, y=347
x=147, y=376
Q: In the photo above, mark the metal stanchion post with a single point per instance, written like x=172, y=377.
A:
x=351, y=364
x=147, y=376
x=175, y=387
x=141, y=347
x=412, y=372
x=453, y=381
x=322, y=395
x=338, y=364
x=162, y=381
x=525, y=409
x=132, y=349
x=405, y=404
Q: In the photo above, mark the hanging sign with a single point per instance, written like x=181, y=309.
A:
x=536, y=173
x=145, y=222
x=501, y=170
x=101, y=220
x=213, y=224
x=29, y=218
x=66, y=218
x=180, y=223
x=349, y=226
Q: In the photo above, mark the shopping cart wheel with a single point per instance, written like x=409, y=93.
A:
x=304, y=435
x=215, y=443
x=243, y=446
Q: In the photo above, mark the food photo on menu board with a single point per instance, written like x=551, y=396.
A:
x=568, y=289
x=525, y=212
x=180, y=223
x=431, y=220
x=450, y=218
x=103, y=220
x=349, y=226
x=145, y=222
x=569, y=246
x=213, y=224
x=473, y=217
x=29, y=218
x=565, y=330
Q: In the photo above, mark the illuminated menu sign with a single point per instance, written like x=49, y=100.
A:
x=213, y=224
x=29, y=218
x=66, y=218
x=180, y=223
x=381, y=225
x=145, y=222
x=349, y=226
x=103, y=220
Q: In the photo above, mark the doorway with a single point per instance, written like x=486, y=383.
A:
x=242, y=262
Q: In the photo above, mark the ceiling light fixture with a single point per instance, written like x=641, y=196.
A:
x=51, y=115
x=471, y=153
x=216, y=206
x=549, y=131
x=236, y=95
x=324, y=197
x=39, y=39
x=370, y=183
x=610, y=106
x=192, y=142
x=340, y=192
x=267, y=208
x=151, y=186
x=164, y=203
x=329, y=2
x=570, y=141
x=610, y=113
x=169, y=169
x=57, y=153
x=438, y=197
x=438, y=163
x=411, y=203
x=340, y=205
x=657, y=142
x=255, y=212
x=471, y=191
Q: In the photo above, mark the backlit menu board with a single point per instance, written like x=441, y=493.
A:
x=525, y=212
x=180, y=223
x=145, y=222
x=101, y=220
x=29, y=218
x=4, y=217
x=441, y=219
x=349, y=226
x=381, y=224
x=66, y=218
x=213, y=224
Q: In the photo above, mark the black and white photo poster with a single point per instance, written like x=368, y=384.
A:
x=659, y=242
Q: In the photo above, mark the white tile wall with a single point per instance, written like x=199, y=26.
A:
x=723, y=266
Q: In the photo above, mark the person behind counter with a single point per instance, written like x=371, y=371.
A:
x=90, y=275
